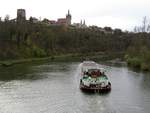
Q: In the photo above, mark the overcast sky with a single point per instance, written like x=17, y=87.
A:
x=124, y=14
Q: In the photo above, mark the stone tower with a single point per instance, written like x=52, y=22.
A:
x=21, y=15
x=68, y=18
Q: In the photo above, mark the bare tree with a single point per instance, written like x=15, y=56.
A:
x=7, y=17
x=148, y=27
x=135, y=29
x=145, y=27
x=144, y=24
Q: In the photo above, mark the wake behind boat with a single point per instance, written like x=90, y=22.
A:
x=93, y=78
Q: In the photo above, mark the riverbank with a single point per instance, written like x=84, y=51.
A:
x=98, y=56
x=138, y=63
x=20, y=61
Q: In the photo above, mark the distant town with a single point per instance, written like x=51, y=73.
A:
x=65, y=21
x=21, y=17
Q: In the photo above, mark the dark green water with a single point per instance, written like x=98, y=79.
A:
x=54, y=88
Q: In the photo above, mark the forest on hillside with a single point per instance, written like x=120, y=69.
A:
x=38, y=40
x=29, y=40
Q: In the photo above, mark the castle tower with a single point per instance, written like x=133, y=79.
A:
x=68, y=18
x=84, y=22
x=21, y=15
x=81, y=22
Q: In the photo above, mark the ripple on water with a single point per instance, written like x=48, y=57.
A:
x=58, y=92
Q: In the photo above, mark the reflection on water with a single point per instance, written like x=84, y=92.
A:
x=54, y=88
x=17, y=72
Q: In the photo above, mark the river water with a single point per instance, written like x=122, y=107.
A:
x=54, y=88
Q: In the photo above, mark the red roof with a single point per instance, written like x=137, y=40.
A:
x=52, y=22
x=61, y=21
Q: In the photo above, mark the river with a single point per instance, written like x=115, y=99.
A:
x=54, y=88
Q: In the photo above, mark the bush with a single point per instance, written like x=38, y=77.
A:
x=145, y=67
x=26, y=52
x=38, y=52
x=134, y=62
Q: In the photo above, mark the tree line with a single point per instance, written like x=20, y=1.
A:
x=138, y=52
x=28, y=40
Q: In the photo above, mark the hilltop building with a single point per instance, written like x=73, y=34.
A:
x=62, y=21
x=33, y=20
x=46, y=21
x=80, y=25
x=68, y=18
x=21, y=15
x=52, y=22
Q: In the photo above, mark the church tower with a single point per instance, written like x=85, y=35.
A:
x=21, y=15
x=68, y=18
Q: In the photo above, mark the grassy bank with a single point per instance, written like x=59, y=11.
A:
x=138, y=63
x=19, y=61
x=98, y=56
